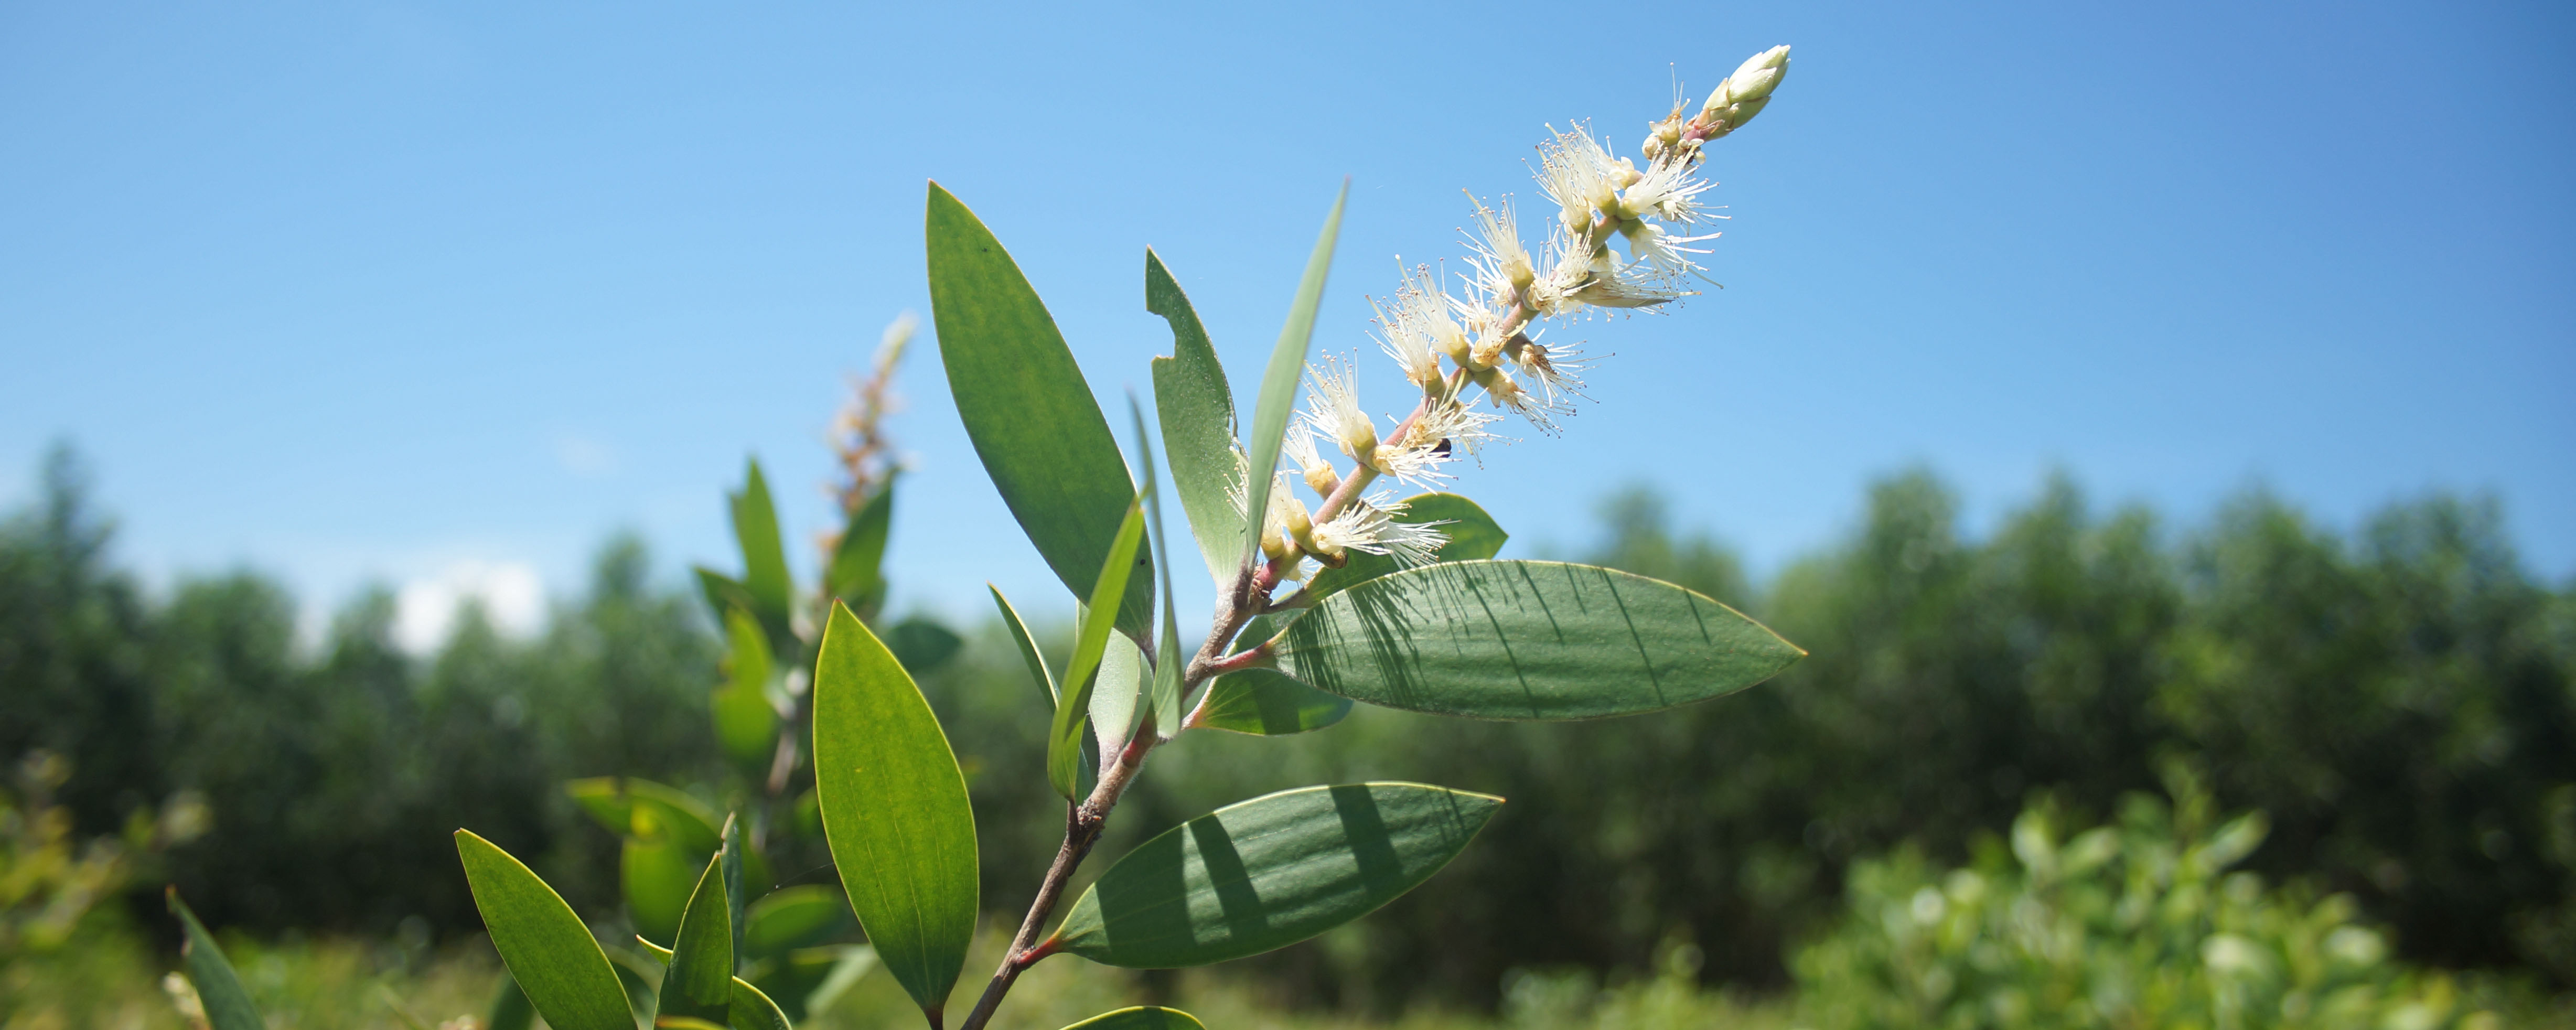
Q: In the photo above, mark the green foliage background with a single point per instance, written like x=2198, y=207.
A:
x=2400, y=699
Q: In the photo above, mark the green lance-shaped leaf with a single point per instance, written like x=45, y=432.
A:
x=922, y=645
x=809, y=980
x=1166, y=689
x=509, y=1008
x=1114, y=694
x=612, y=801
x=1028, y=644
x=752, y=1010
x=746, y=720
x=1048, y=688
x=658, y=874
x=544, y=944
x=857, y=574
x=806, y=817
x=1266, y=703
x=668, y=836
x=1073, y=703
x=746, y=1006
x=1196, y=409
x=764, y=556
x=700, y=981
x=668, y=813
x=1026, y=406
x=1269, y=872
x=792, y=918
x=895, y=811
x=639, y=970
x=219, y=990
x=1142, y=1017
x=1279, y=383
x=1163, y=686
x=723, y=593
x=1527, y=640
x=734, y=862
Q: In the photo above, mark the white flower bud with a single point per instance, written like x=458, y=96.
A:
x=1754, y=79
x=1739, y=114
x=1322, y=481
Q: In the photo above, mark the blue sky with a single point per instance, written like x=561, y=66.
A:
x=371, y=291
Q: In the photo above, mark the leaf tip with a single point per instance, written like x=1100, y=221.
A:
x=840, y=613
x=939, y=194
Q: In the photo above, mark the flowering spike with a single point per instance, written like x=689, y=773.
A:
x=1489, y=333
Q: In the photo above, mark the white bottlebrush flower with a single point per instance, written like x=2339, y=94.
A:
x=1540, y=410
x=1288, y=515
x=1333, y=408
x=1503, y=265
x=1299, y=445
x=1570, y=257
x=1370, y=526
x=1627, y=291
x=1669, y=190
x=1238, y=490
x=1666, y=254
x=1579, y=175
x=1417, y=328
x=1557, y=369
x=1440, y=434
x=1461, y=427
x=1609, y=283
x=1286, y=529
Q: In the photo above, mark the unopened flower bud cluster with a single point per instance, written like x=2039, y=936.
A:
x=1484, y=336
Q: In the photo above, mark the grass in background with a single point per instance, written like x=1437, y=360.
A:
x=106, y=977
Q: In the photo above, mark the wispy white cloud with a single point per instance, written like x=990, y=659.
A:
x=425, y=609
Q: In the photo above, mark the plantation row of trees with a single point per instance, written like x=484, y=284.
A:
x=2400, y=700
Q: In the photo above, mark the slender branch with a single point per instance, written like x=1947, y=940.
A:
x=1082, y=825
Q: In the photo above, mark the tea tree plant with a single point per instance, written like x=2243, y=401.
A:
x=1360, y=596
x=791, y=940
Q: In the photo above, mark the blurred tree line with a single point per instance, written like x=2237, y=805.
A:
x=2402, y=703
x=2400, y=700
x=334, y=774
